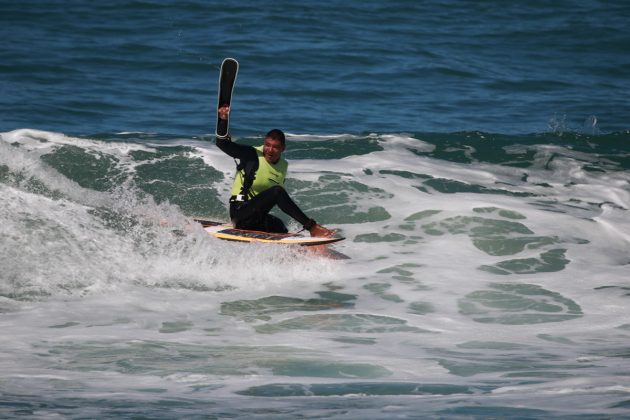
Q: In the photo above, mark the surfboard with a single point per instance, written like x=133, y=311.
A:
x=227, y=232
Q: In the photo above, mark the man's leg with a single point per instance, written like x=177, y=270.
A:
x=273, y=224
x=254, y=213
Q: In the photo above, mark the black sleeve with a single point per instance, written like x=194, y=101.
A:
x=235, y=150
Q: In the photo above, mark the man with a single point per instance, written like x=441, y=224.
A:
x=258, y=185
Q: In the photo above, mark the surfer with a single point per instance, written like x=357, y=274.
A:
x=258, y=185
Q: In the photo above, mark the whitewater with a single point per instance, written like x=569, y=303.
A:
x=487, y=277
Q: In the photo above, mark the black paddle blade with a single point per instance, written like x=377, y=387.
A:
x=227, y=77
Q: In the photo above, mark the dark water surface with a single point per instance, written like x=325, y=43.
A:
x=324, y=67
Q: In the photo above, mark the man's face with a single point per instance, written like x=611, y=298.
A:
x=272, y=150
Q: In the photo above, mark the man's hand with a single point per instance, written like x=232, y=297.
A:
x=224, y=111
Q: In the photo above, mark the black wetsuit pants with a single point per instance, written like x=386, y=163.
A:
x=254, y=214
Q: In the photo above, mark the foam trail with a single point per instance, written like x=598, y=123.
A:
x=472, y=283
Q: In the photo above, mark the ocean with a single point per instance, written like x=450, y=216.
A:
x=475, y=155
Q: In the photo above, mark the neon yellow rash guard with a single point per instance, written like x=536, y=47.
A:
x=267, y=175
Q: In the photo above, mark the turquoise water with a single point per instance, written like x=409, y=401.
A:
x=475, y=156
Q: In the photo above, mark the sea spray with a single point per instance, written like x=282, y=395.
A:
x=486, y=271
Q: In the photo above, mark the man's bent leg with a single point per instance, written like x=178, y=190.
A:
x=254, y=214
x=288, y=206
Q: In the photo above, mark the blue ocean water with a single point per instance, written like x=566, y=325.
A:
x=325, y=67
x=475, y=155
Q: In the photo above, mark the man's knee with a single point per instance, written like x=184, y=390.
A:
x=277, y=191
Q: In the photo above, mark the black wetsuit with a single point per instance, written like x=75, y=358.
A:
x=252, y=213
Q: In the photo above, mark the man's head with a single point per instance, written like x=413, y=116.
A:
x=274, y=145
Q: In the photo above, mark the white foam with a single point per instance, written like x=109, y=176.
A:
x=100, y=285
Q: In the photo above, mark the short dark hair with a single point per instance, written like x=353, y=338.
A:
x=276, y=134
